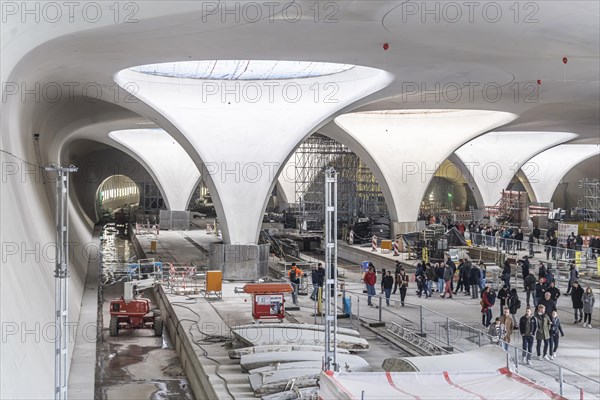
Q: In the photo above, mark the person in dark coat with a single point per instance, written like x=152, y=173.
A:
x=487, y=302
x=528, y=330
x=514, y=303
x=577, y=300
x=555, y=329
x=396, y=273
x=388, y=284
x=506, y=272
x=548, y=303
x=504, y=297
x=524, y=267
x=530, y=284
x=474, y=280
x=554, y=292
x=540, y=289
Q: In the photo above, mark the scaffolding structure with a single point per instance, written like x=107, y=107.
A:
x=589, y=192
x=359, y=193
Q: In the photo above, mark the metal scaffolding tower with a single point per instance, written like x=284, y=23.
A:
x=330, y=215
x=61, y=283
x=589, y=192
x=359, y=192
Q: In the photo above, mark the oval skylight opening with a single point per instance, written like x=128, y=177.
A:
x=242, y=69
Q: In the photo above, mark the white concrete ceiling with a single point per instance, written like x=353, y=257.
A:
x=493, y=159
x=409, y=146
x=174, y=169
x=545, y=171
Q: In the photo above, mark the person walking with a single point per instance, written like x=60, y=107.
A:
x=318, y=278
x=429, y=279
x=509, y=324
x=448, y=275
x=370, y=279
x=573, y=276
x=504, y=297
x=396, y=273
x=483, y=280
x=540, y=289
x=555, y=329
x=506, y=272
x=497, y=332
x=530, y=284
x=543, y=333
x=294, y=275
x=514, y=304
x=388, y=284
x=577, y=300
x=554, y=292
x=486, y=307
x=403, y=278
x=383, y=275
x=588, y=305
x=439, y=278
x=474, y=279
x=548, y=303
x=528, y=330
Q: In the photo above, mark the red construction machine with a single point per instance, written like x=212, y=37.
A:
x=133, y=312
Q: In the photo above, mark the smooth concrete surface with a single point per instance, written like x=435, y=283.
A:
x=410, y=147
x=578, y=350
x=77, y=51
x=492, y=171
x=159, y=151
x=83, y=365
x=546, y=170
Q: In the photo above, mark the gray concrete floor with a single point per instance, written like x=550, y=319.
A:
x=579, y=349
x=135, y=364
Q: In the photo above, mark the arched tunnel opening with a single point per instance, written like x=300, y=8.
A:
x=117, y=196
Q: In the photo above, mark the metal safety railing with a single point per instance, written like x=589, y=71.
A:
x=584, y=255
x=436, y=333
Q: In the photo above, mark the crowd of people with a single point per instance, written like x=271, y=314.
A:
x=540, y=321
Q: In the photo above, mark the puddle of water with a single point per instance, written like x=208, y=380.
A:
x=134, y=365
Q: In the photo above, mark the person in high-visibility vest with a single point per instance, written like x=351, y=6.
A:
x=294, y=275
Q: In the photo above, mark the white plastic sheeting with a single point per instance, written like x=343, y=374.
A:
x=486, y=358
x=501, y=384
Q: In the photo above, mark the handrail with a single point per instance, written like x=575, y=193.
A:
x=513, y=349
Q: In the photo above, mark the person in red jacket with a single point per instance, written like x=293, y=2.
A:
x=370, y=278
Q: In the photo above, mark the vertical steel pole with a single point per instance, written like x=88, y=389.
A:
x=331, y=270
x=561, y=380
x=61, y=282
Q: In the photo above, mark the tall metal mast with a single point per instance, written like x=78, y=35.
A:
x=61, y=283
x=331, y=270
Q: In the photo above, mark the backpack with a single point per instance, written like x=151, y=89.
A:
x=518, y=304
x=293, y=275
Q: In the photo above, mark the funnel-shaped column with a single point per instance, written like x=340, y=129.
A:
x=493, y=159
x=546, y=170
x=241, y=129
x=404, y=149
x=174, y=170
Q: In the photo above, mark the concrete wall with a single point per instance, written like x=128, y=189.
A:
x=239, y=262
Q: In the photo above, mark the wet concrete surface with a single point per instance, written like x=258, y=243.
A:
x=135, y=364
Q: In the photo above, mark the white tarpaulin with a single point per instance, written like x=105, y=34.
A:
x=501, y=384
x=486, y=358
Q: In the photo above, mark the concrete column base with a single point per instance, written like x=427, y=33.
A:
x=247, y=262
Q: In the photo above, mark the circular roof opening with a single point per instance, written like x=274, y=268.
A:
x=242, y=69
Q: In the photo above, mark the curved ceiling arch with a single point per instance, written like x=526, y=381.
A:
x=242, y=157
x=408, y=147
